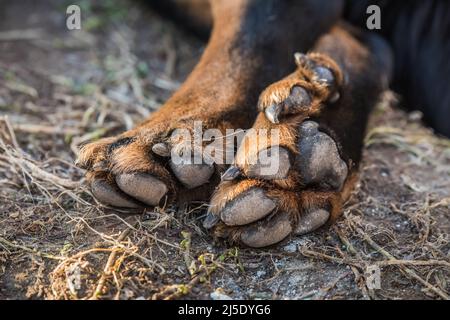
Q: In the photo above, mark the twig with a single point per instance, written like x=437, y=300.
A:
x=46, y=176
x=37, y=128
x=79, y=255
x=324, y=291
x=96, y=134
x=30, y=250
x=309, y=253
x=11, y=133
x=21, y=88
x=171, y=56
x=186, y=248
x=359, y=279
x=176, y=291
x=16, y=35
x=107, y=269
x=346, y=242
x=414, y=263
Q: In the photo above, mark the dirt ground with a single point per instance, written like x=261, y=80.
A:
x=60, y=88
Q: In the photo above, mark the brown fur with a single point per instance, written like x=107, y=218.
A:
x=303, y=77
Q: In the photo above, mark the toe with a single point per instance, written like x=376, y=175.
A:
x=231, y=173
x=192, y=175
x=272, y=163
x=143, y=187
x=188, y=165
x=319, y=162
x=267, y=232
x=92, y=153
x=108, y=195
x=299, y=99
x=311, y=221
x=210, y=221
x=248, y=207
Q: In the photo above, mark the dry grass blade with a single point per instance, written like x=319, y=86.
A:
x=107, y=269
x=402, y=266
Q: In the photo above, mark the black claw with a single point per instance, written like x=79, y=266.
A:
x=335, y=97
x=231, y=174
x=210, y=221
x=302, y=59
x=272, y=112
x=299, y=57
x=100, y=166
x=122, y=142
x=161, y=149
x=82, y=165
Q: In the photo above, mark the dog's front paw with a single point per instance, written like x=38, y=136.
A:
x=144, y=166
x=297, y=186
x=289, y=176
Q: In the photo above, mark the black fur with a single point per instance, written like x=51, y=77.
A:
x=120, y=143
x=417, y=30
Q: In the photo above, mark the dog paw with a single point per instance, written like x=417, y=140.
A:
x=289, y=175
x=290, y=191
x=316, y=81
x=143, y=167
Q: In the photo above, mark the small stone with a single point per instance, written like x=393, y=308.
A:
x=219, y=295
x=291, y=248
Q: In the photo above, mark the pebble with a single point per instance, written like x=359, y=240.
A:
x=216, y=295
